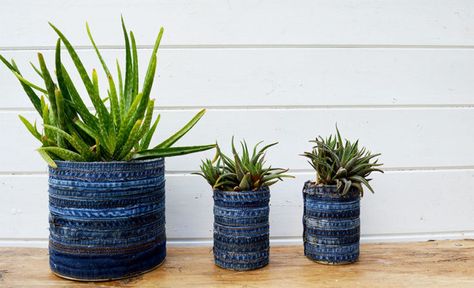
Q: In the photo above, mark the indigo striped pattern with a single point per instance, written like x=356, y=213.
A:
x=331, y=224
x=107, y=219
x=241, y=229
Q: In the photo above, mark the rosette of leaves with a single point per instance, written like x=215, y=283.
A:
x=342, y=163
x=241, y=172
x=118, y=128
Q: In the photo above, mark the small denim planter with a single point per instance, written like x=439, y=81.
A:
x=107, y=219
x=241, y=229
x=331, y=224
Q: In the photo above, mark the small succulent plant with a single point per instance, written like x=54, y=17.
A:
x=342, y=163
x=243, y=172
x=122, y=125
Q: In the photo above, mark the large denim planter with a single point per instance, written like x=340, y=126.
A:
x=107, y=219
x=241, y=229
x=331, y=224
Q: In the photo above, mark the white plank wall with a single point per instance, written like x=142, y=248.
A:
x=399, y=75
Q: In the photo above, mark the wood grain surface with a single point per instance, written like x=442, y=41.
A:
x=425, y=264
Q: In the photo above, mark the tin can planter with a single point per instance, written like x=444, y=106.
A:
x=107, y=219
x=331, y=224
x=241, y=229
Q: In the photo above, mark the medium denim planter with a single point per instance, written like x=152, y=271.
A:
x=107, y=219
x=241, y=229
x=331, y=224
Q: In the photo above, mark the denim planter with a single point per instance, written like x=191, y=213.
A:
x=107, y=219
x=331, y=224
x=241, y=229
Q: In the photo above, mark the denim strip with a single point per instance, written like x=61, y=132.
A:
x=107, y=237
x=98, y=267
x=105, y=194
x=85, y=185
x=242, y=266
x=104, y=203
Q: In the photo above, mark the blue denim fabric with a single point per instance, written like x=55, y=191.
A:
x=331, y=224
x=107, y=219
x=241, y=229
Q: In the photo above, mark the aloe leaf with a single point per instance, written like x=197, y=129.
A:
x=36, y=69
x=30, y=128
x=359, y=188
x=64, y=154
x=77, y=62
x=60, y=116
x=244, y=183
x=135, y=65
x=88, y=83
x=26, y=82
x=34, y=98
x=101, y=59
x=45, y=115
x=363, y=181
x=245, y=152
x=361, y=167
x=278, y=175
x=171, y=151
x=178, y=135
x=127, y=123
x=341, y=172
x=148, y=117
x=113, y=91
x=347, y=186
x=339, y=138
x=133, y=138
x=97, y=137
x=75, y=142
x=103, y=114
x=260, y=153
x=59, y=72
x=50, y=86
x=114, y=104
x=47, y=158
x=76, y=99
x=238, y=163
x=69, y=109
x=122, y=97
x=83, y=148
x=149, y=134
x=150, y=74
x=149, y=77
x=229, y=164
x=88, y=130
x=128, y=68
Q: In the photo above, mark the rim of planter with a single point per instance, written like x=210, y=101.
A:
x=311, y=183
x=328, y=191
x=110, y=162
x=260, y=190
x=84, y=165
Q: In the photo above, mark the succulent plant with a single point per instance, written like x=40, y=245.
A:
x=342, y=163
x=122, y=125
x=241, y=172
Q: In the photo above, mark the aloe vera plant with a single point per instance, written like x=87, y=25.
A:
x=241, y=172
x=342, y=163
x=118, y=128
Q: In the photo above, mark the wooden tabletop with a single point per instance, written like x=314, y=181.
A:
x=425, y=264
